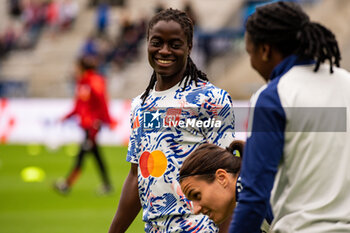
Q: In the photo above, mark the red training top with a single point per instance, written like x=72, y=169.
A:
x=91, y=101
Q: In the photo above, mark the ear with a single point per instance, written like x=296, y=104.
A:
x=189, y=49
x=221, y=176
x=265, y=51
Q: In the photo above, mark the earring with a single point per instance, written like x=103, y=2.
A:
x=264, y=58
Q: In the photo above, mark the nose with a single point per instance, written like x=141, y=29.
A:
x=197, y=208
x=165, y=50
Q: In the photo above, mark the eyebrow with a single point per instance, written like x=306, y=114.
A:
x=171, y=39
x=155, y=37
x=177, y=41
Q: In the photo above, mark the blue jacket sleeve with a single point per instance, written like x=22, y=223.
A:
x=263, y=152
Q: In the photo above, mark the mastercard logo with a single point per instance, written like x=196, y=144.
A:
x=153, y=163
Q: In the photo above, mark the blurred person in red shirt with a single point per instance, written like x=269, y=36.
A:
x=92, y=111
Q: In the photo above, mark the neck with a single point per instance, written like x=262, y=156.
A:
x=167, y=82
x=276, y=58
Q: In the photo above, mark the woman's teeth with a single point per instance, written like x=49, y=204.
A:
x=164, y=61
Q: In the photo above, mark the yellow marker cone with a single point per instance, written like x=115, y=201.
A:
x=32, y=174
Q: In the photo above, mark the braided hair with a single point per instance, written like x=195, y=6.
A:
x=288, y=28
x=191, y=73
x=208, y=158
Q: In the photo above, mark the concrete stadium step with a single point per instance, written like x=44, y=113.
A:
x=46, y=67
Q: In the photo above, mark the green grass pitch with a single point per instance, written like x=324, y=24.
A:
x=34, y=207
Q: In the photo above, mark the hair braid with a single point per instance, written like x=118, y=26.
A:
x=149, y=87
x=286, y=27
x=191, y=73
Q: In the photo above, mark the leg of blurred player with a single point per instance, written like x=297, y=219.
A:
x=89, y=145
x=106, y=187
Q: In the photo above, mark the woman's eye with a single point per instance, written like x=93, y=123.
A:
x=175, y=46
x=155, y=43
x=197, y=196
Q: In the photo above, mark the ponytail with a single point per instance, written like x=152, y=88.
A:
x=319, y=43
x=208, y=158
x=236, y=148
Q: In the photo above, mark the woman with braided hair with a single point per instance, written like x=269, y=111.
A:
x=296, y=156
x=179, y=111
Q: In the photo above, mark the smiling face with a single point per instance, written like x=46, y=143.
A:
x=216, y=199
x=168, y=50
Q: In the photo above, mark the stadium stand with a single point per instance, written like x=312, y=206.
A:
x=46, y=69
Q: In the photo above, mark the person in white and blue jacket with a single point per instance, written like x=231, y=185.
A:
x=297, y=153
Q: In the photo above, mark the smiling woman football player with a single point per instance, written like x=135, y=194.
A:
x=158, y=145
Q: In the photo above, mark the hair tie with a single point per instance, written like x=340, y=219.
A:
x=235, y=153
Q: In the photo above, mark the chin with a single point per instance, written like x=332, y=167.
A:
x=218, y=222
x=164, y=74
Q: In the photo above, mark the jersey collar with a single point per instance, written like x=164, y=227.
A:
x=286, y=64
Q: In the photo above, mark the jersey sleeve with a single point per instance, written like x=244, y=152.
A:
x=218, y=110
x=71, y=113
x=74, y=110
x=133, y=154
x=262, y=154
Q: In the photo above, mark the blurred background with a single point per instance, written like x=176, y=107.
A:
x=40, y=41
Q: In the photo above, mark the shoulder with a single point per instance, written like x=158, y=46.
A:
x=218, y=93
x=208, y=87
x=268, y=95
x=205, y=91
x=255, y=96
x=136, y=102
